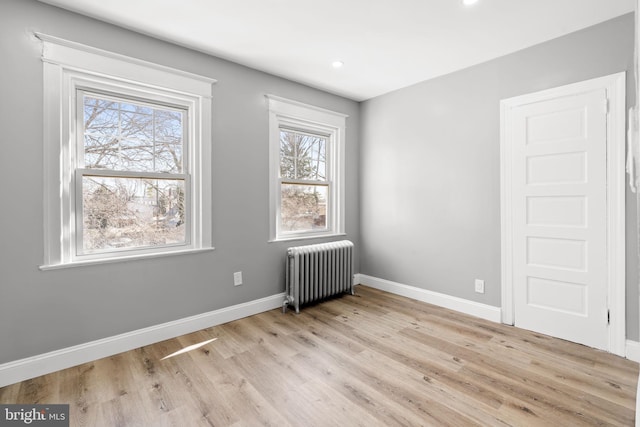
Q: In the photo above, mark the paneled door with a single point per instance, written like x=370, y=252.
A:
x=558, y=224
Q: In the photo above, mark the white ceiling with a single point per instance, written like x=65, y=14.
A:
x=384, y=44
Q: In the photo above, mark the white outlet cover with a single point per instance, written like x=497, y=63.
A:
x=237, y=278
x=479, y=286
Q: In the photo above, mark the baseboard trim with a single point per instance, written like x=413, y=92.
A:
x=472, y=308
x=632, y=351
x=31, y=367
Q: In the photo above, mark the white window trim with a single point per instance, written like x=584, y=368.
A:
x=304, y=117
x=68, y=66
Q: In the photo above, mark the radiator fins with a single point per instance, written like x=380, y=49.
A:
x=316, y=272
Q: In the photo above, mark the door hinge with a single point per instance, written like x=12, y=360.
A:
x=606, y=105
x=608, y=317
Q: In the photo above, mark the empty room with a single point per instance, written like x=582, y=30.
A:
x=297, y=213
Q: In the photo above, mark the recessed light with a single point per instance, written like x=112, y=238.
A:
x=469, y=2
x=337, y=64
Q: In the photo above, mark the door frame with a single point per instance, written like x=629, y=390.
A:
x=615, y=87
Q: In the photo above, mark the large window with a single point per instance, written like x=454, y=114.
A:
x=130, y=173
x=307, y=169
x=127, y=157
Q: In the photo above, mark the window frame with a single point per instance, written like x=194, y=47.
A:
x=70, y=68
x=296, y=116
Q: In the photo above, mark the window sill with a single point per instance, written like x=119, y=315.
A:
x=307, y=237
x=73, y=264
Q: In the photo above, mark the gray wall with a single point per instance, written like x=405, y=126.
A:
x=430, y=158
x=44, y=311
x=423, y=206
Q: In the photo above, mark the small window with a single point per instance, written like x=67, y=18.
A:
x=304, y=186
x=307, y=186
x=127, y=157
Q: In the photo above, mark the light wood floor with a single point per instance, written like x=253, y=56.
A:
x=373, y=359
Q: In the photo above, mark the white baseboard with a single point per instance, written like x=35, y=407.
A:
x=632, y=351
x=35, y=366
x=483, y=311
x=472, y=308
x=31, y=367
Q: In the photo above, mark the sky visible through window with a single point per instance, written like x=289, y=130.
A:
x=126, y=136
x=125, y=212
x=304, y=187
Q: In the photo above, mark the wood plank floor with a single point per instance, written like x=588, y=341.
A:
x=374, y=359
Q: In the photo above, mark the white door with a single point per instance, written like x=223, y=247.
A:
x=563, y=212
x=559, y=217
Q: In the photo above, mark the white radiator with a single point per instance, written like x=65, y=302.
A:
x=315, y=272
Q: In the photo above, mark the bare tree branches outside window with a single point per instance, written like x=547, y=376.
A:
x=304, y=187
x=122, y=208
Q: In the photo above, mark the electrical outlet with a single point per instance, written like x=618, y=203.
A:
x=480, y=286
x=237, y=278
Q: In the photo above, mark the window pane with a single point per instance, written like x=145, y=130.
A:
x=303, y=207
x=168, y=140
x=302, y=155
x=127, y=213
x=123, y=135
